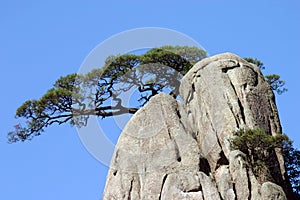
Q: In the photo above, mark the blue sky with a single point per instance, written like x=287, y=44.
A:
x=43, y=40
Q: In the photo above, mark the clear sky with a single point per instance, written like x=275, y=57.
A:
x=43, y=40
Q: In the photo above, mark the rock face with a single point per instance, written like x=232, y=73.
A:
x=180, y=150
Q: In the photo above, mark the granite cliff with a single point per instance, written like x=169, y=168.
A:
x=179, y=149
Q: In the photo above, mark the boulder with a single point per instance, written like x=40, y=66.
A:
x=174, y=149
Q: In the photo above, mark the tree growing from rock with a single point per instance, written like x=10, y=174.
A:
x=75, y=97
x=274, y=80
x=259, y=148
x=292, y=164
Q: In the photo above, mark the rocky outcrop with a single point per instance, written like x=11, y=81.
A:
x=180, y=150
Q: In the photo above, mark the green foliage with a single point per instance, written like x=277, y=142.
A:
x=166, y=58
x=276, y=84
x=74, y=97
x=256, y=62
x=55, y=103
x=192, y=54
x=292, y=165
x=259, y=148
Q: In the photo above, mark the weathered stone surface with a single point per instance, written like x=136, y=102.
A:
x=209, y=187
x=239, y=173
x=225, y=183
x=154, y=154
x=180, y=150
x=271, y=191
x=224, y=93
